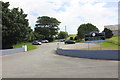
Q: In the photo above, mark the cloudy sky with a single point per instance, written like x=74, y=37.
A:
x=71, y=13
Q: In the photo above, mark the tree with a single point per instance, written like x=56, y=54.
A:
x=85, y=29
x=108, y=33
x=62, y=35
x=30, y=36
x=38, y=36
x=76, y=38
x=71, y=38
x=47, y=26
x=14, y=25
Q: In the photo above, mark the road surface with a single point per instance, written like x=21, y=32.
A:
x=45, y=63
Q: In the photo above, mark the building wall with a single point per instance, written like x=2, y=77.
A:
x=114, y=29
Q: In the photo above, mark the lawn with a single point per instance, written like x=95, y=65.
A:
x=110, y=44
x=71, y=35
x=114, y=40
x=29, y=45
x=105, y=46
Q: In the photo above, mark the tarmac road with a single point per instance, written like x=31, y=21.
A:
x=45, y=63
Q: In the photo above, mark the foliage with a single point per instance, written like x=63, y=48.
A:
x=71, y=38
x=85, y=29
x=29, y=45
x=62, y=35
x=47, y=26
x=108, y=33
x=50, y=39
x=71, y=35
x=75, y=38
x=29, y=35
x=14, y=26
x=38, y=36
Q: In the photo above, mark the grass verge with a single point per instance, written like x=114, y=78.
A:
x=114, y=40
x=29, y=45
x=105, y=46
x=110, y=44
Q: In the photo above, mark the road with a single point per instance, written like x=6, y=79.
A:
x=45, y=63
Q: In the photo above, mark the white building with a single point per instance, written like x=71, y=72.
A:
x=114, y=28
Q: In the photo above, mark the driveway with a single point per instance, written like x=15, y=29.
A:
x=45, y=63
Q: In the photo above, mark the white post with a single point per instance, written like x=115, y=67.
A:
x=58, y=46
x=25, y=47
x=88, y=46
x=101, y=46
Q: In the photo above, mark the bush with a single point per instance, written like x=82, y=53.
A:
x=108, y=33
x=50, y=39
x=71, y=38
x=76, y=38
x=62, y=35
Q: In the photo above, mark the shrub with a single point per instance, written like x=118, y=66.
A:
x=50, y=39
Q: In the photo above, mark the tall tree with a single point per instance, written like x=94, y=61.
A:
x=14, y=25
x=62, y=35
x=108, y=33
x=47, y=26
x=30, y=36
x=85, y=29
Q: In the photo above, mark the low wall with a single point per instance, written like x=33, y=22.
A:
x=12, y=51
x=94, y=54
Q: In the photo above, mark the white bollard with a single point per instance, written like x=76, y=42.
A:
x=25, y=47
x=58, y=46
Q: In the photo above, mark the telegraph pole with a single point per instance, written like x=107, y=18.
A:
x=65, y=29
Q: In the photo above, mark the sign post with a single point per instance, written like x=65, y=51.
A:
x=101, y=46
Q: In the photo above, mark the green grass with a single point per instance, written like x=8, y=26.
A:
x=105, y=46
x=71, y=35
x=80, y=41
x=111, y=44
x=114, y=40
x=29, y=45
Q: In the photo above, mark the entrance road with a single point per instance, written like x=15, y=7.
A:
x=45, y=63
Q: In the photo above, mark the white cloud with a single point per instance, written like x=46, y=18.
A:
x=76, y=13
x=96, y=14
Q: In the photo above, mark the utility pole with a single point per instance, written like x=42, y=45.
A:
x=65, y=29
